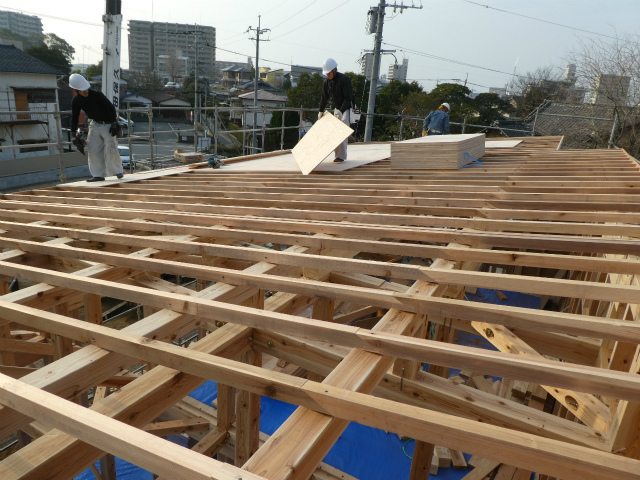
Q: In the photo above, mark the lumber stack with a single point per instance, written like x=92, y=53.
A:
x=437, y=152
x=189, y=157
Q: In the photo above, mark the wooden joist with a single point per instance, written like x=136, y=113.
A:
x=284, y=264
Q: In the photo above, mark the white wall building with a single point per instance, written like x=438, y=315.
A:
x=152, y=43
x=609, y=89
x=398, y=72
x=366, y=65
x=20, y=23
x=26, y=85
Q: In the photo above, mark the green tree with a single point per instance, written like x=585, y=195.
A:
x=32, y=40
x=93, y=70
x=490, y=108
x=53, y=41
x=144, y=82
x=52, y=57
x=53, y=51
x=392, y=100
x=307, y=92
x=457, y=96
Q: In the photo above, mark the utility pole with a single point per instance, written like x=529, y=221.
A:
x=255, y=83
x=377, y=44
x=111, y=51
x=195, y=91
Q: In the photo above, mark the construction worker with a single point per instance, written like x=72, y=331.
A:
x=337, y=86
x=102, y=141
x=437, y=123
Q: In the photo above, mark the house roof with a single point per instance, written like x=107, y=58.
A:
x=14, y=60
x=237, y=68
x=262, y=85
x=160, y=97
x=265, y=96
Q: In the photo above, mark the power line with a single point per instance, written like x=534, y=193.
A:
x=317, y=18
x=540, y=19
x=300, y=11
x=64, y=19
x=456, y=62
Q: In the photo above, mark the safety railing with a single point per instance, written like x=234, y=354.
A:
x=207, y=123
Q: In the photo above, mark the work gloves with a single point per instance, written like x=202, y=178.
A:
x=115, y=130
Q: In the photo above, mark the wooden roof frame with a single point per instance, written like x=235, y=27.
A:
x=274, y=256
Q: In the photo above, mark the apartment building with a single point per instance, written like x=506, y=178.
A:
x=155, y=45
x=20, y=23
x=398, y=71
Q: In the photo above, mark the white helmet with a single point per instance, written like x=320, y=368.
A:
x=78, y=82
x=328, y=65
x=446, y=105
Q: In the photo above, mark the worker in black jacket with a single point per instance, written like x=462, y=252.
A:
x=102, y=141
x=337, y=87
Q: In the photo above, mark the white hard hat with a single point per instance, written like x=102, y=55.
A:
x=78, y=82
x=328, y=65
x=446, y=105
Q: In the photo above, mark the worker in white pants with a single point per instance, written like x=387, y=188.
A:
x=102, y=149
x=341, y=150
x=102, y=140
x=337, y=88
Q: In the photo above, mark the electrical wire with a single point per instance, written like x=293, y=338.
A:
x=300, y=11
x=457, y=62
x=51, y=16
x=315, y=19
x=404, y=451
x=540, y=20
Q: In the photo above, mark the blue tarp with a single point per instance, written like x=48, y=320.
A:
x=364, y=452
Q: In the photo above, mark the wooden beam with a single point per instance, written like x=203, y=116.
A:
x=129, y=443
x=542, y=371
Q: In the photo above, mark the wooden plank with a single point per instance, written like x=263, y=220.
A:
x=321, y=139
x=176, y=427
x=421, y=462
x=481, y=469
x=247, y=417
x=63, y=455
x=538, y=370
x=126, y=442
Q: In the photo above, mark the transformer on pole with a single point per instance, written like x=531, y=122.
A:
x=377, y=14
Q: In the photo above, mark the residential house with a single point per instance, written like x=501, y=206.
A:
x=235, y=75
x=30, y=86
x=167, y=104
x=266, y=99
x=26, y=85
x=275, y=77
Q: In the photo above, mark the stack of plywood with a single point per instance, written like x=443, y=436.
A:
x=191, y=157
x=437, y=152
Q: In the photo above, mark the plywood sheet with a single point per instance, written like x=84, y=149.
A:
x=502, y=143
x=320, y=141
x=359, y=154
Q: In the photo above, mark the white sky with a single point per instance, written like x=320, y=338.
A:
x=306, y=32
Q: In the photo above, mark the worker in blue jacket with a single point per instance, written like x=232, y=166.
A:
x=437, y=123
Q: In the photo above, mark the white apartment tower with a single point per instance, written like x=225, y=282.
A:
x=20, y=23
x=610, y=89
x=171, y=49
x=398, y=72
x=366, y=65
